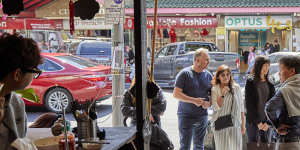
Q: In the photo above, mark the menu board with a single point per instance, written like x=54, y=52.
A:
x=247, y=39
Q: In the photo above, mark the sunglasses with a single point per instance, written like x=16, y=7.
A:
x=36, y=72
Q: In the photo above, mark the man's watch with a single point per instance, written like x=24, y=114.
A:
x=222, y=96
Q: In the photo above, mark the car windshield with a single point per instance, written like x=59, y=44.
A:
x=76, y=61
x=194, y=46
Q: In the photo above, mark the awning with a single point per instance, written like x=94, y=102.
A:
x=31, y=5
x=235, y=10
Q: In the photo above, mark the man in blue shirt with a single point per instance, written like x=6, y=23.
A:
x=192, y=89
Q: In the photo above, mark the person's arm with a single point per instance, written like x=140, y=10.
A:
x=126, y=107
x=273, y=109
x=250, y=103
x=178, y=94
x=242, y=108
x=243, y=127
x=159, y=107
x=216, y=99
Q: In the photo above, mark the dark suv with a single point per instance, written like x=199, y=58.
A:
x=97, y=51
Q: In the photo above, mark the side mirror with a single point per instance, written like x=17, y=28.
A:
x=181, y=51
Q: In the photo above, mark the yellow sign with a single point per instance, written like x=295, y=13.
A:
x=220, y=31
x=277, y=25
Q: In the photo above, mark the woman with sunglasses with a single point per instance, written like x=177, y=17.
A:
x=258, y=91
x=227, y=101
x=19, y=58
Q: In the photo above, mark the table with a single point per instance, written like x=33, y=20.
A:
x=115, y=136
x=118, y=136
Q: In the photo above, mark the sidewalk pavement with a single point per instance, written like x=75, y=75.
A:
x=169, y=119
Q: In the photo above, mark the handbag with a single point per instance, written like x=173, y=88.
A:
x=160, y=139
x=224, y=122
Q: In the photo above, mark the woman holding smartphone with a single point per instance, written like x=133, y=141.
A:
x=227, y=100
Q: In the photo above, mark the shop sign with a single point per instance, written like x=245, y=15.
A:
x=37, y=24
x=274, y=22
x=245, y=21
x=60, y=8
x=279, y=22
x=114, y=11
x=248, y=39
x=177, y=22
x=10, y=23
x=93, y=24
x=220, y=31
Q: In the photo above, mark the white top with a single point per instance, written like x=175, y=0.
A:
x=237, y=107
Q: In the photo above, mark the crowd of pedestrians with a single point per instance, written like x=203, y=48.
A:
x=270, y=118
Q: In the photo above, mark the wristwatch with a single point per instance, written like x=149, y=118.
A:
x=222, y=96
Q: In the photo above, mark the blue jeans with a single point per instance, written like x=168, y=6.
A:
x=192, y=128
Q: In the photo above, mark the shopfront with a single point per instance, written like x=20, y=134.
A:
x=177, y=29
x=243, y=32
x=83, y=28
x=45, y=32
x=89, y=28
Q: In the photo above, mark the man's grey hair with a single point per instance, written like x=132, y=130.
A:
x=291, y=62
x=199, y=52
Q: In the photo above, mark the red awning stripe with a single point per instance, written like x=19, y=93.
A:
x=26, y=1
x=30, y=3
x=37, y=5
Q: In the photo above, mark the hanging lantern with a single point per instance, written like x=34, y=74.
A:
x=71, y=17
x=11, y=7
x=196, y=34
x=204, y=32
x=187, y=33
x=172, y=34
x=86, y=9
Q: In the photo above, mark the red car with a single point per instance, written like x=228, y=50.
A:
x=66, y=78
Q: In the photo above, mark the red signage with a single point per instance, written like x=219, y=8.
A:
x=10, y=23
x=177, y=22
x=38, y=24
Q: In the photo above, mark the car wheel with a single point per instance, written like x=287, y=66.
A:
x=57, y=97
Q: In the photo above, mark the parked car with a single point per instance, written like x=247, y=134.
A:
x=274, y=58
x=101, y=52
x=97, y=51
x=175, y=56
x=66, y=78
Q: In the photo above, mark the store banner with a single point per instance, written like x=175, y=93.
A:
x=280, y=22
x=38, y=24
x=177, y=22
x=94, y=24
x=10, y=23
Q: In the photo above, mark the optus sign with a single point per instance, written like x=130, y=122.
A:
x=273, y=22
x=176, y=22
x=245, y=21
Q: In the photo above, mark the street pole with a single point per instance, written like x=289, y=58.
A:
x=118, y=69
x=140, y=43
